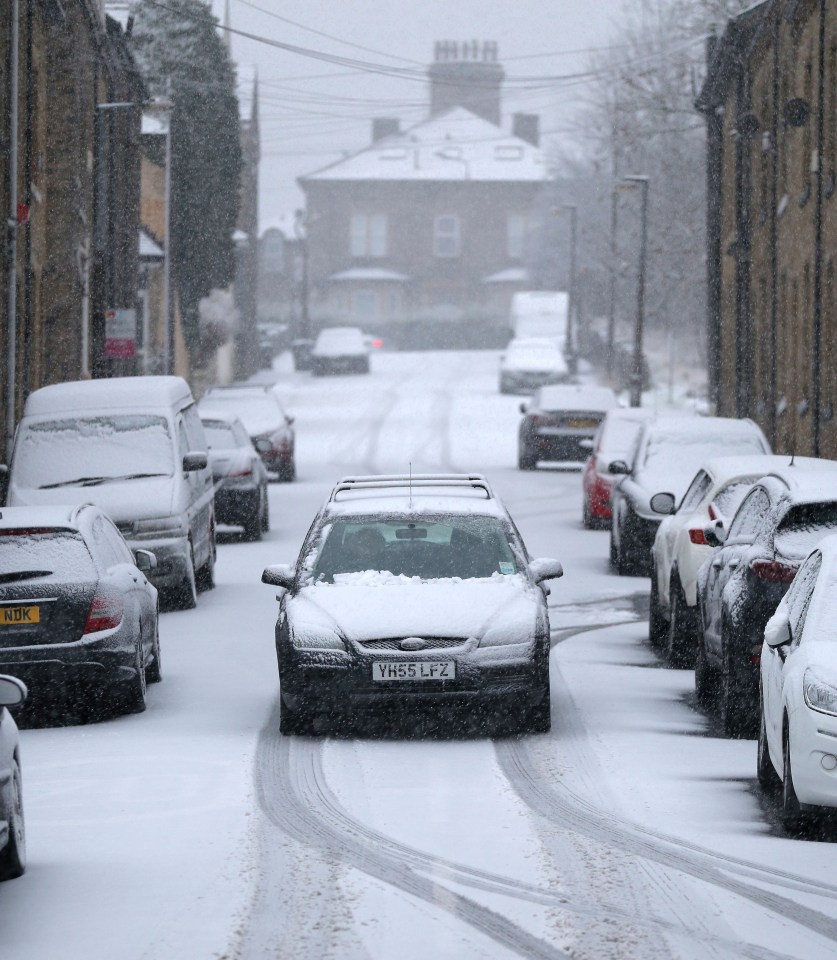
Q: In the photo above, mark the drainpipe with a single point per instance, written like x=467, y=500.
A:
x=774, y=256
x=11, y=227
x=816, y=393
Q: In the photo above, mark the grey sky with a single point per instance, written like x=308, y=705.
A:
x=312, y=111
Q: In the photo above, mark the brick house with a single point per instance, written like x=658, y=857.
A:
x=770, y=102
x=429, y=225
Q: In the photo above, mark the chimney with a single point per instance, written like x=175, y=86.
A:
x=466, y=75
x=385, y=127
x=527, y=127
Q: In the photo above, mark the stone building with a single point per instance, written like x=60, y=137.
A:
x=78, y=187
x=429, y=226
x=770, y=102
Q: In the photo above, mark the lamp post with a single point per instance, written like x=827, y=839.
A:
x=614, y=252
x=302, y=237
x=165, y=106
x=569, y=347
x=11, y=230
x=636, y=372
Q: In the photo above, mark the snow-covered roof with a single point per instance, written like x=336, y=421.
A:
x=368, y=274
x=724, y=469
x=118, y=10
x=512, y=275
x=148, y=248
x=809, y=480
x=40, y=517
x=155, y=123
x=576, y=397
x=455, y=145
x=115, y=393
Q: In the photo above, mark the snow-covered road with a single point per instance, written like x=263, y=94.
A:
x=194, y=831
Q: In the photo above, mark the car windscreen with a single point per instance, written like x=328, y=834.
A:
x=676, y=449
x=92, y=449
x=730, y=497
x=442, y=547
x=619, y=438
x=29, y=554
x=804, y=526
x=219, y=435
x=259, y=414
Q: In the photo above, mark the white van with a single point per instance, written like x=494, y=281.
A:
x=540, y=313
x=135, y=447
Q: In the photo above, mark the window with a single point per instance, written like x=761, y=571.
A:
x=701, y=485
x=446, y=236
x=517, y=227
x=799, y=595
x=364, y=305
x=368, y=235
x=749, y=518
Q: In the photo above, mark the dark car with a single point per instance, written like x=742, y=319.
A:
x=665, y=457
x=239, y=474
x=12, y=830
x=340, y=350
x=559, y=423
x=269, y=427
x=413, y=591
x=741, y=583
x=78, y=615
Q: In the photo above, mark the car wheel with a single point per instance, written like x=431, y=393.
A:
x=287, y=471
x=205, y=577
x=767, y=776
x=185, y=595
x=265, y=512
x=656, y=620
x=706, y=678
x=13, y=855
x=299, y=721
x=254, y=524
x=526, y=460
x=793, y=816
x=586, y=517
x=680, y=642
x=734, y=702
x=130, y=697
x=154, y=670
x=538, y=719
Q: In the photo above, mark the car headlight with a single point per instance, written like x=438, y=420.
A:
x=317, y=640
x=819, y=695
x=160, y=527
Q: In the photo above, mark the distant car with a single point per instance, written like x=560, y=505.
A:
x=797, y=740
x=269, y=427
x=77, y=613
x=613, y=440
x=668, y=451
x=559, y=423
x=12, y=825
x=340, y=350
x=409, y=591
x=680, y=547
x=740, y=584
x=527, y=364
x=301, y=352
x=240, y=476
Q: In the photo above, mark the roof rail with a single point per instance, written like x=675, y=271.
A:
x=473, y=481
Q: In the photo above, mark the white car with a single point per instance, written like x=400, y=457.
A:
x=680, y=547
x=340, y=350
x=12, y=832
x=797, y=746
x=531, y=362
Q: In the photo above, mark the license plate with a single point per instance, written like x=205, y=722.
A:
x=581, y=423
x=414, y=670
x=19, y=616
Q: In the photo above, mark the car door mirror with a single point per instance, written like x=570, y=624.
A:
x=777, y=633
x=663, y=503
x=195, y=460
x=715, y=533
x=12, y=691
x=145, y=560
x=524, y=407
x=545, y=568
x=279, y=575
x=618, y=468
x=289, y=420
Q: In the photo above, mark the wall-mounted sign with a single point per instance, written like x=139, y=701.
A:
x=120, y=334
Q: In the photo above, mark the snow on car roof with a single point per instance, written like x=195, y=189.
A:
x=64, y=516
x=672, y=427
x=113, y=393
x=816, y=484
x=722, y=469
x=576, y=397
x=430, y=501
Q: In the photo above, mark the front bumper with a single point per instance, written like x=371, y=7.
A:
x=173, y=559
x=336, y=680
x=813, y=736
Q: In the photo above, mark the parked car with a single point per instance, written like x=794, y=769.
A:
x=680, y=547
x=78, y=614
x=613, y=440
x=12, y=824
x=668, y=451
x=529, y=363
x=240, y=476
x=340, y=350
x=740, y=585
x=408, y=591
x=269, y=427
x=135, y=447
x=797, y=746
x=301, y=351
x=559, y=423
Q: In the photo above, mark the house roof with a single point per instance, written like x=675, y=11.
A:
x=512, y=275
x=369, y=273
x=727, y=52
x=453, y=146
x=149, y=249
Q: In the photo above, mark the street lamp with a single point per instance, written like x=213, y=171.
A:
x=571, y=306
x=301, y=234
x=636, y=372
x=165, y=106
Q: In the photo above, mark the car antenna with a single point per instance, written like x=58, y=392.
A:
x=411, y=484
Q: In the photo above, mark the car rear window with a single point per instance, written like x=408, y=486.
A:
x=464, y=547
x=730, y=497
x=804, y=526
x=671, y=448
x=29, y=554
x=219, y=434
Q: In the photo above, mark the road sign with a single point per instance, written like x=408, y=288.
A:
x=120, y=334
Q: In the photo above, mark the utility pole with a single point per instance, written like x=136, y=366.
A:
x=569, y=346
x=168, y=319
x=636, y=372
x=302, y=237
x=611, y=317
x=11, y=229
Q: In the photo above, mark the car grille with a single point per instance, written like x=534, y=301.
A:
x=430, y=643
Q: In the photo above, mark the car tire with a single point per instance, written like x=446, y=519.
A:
x=154, y=670
x=13, y=855
x=538, y=719
x=295, y=722
x=185, y=595
x=129, y=697
x=526, y=460
x=733, y=700
x=706, y=678
x=587, y=520
x=287, y=471
x=265, y=512
x=793, y=816
x=205, y=577
x=765, y=771
x=254, y=524
x=657, y=625
x=680, y=642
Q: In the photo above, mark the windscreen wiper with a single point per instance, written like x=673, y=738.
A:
x=17, y=575
x=84, y=481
